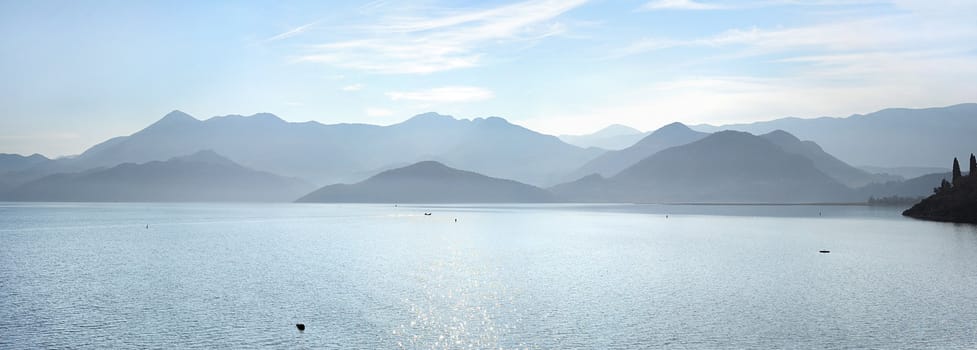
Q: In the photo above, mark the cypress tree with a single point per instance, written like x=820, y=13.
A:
x=973, y=167
x=956, y=172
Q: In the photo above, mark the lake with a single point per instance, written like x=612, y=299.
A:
x=501, y=276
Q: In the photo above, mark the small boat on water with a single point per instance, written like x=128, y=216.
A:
x=427, y=214
x=824, y=251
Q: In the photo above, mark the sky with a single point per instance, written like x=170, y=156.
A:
x=75, y=73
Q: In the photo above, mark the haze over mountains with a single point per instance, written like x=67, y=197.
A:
x=826, y=163
x=727, y=166
x=612, y=137
x=266, y=158
x=889, y=138
x=612, y=162
x=430, y=182
x=202, y=176
x=327, y=154
x=16, y=162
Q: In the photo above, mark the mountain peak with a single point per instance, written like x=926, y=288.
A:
x=492, y=121
x=780, y=136
x=616, y=130
x=430, y=116
x=673, y=127
x=428, y=164
x=173, y=118
x=267, y=117
x=177, y=116
x=427, y=168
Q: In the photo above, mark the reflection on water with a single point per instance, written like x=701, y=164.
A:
x=501, y=276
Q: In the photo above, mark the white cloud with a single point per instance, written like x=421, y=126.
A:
x=894, y=32
x=835, y=87
x=443, y=41
x=353, y=87
x=738, y=5
x=679, y=5
x=450, y=94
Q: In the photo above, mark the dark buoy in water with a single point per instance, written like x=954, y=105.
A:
x=427, y=214
x=824, y=251
x=300, y=326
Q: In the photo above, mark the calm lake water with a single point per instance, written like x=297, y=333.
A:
x=537, y=277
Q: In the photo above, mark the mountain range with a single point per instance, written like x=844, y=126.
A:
x=612, y=162
x=16, y=162
x=612, y=137
x=430, y=182
x=326, y=154
x=202, y=176
x=727, y=166
x=264, y=158
x=892, y=137
x=826, y=163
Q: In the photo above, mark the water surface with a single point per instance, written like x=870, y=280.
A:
x=502, y=276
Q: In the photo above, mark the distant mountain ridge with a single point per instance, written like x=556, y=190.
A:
x=612, y=137
x=202, y=176
x=612, y=162
x=921, y=186
x=828, y=164
x=16, y=162
x=430, y=182
x=344, y=152
x=727, y=166
x=891, y=137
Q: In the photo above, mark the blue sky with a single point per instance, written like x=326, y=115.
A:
x=75, y=73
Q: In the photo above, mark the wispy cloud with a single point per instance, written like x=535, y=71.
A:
x=911, y=53
x=449, y=94
x=291, y=32
x=444, y=40
x=693, y=5
x=860, y=35
x=679, y=5
x=353, y=87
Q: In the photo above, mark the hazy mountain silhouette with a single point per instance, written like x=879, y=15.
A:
x=430, y=182
x=345, y=152
x=612, y=162
x=828, y=164
x=891, y=137
x=16, y=169
x=16, y=162
x=202, y=176
x=921, y=186
x=727, y=166
x=612, y=137
x=907, y=172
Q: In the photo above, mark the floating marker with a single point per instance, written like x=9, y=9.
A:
x=300, y=326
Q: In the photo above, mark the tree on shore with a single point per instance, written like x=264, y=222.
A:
x=973, y=166
x=956, y=172
x=944, y=187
